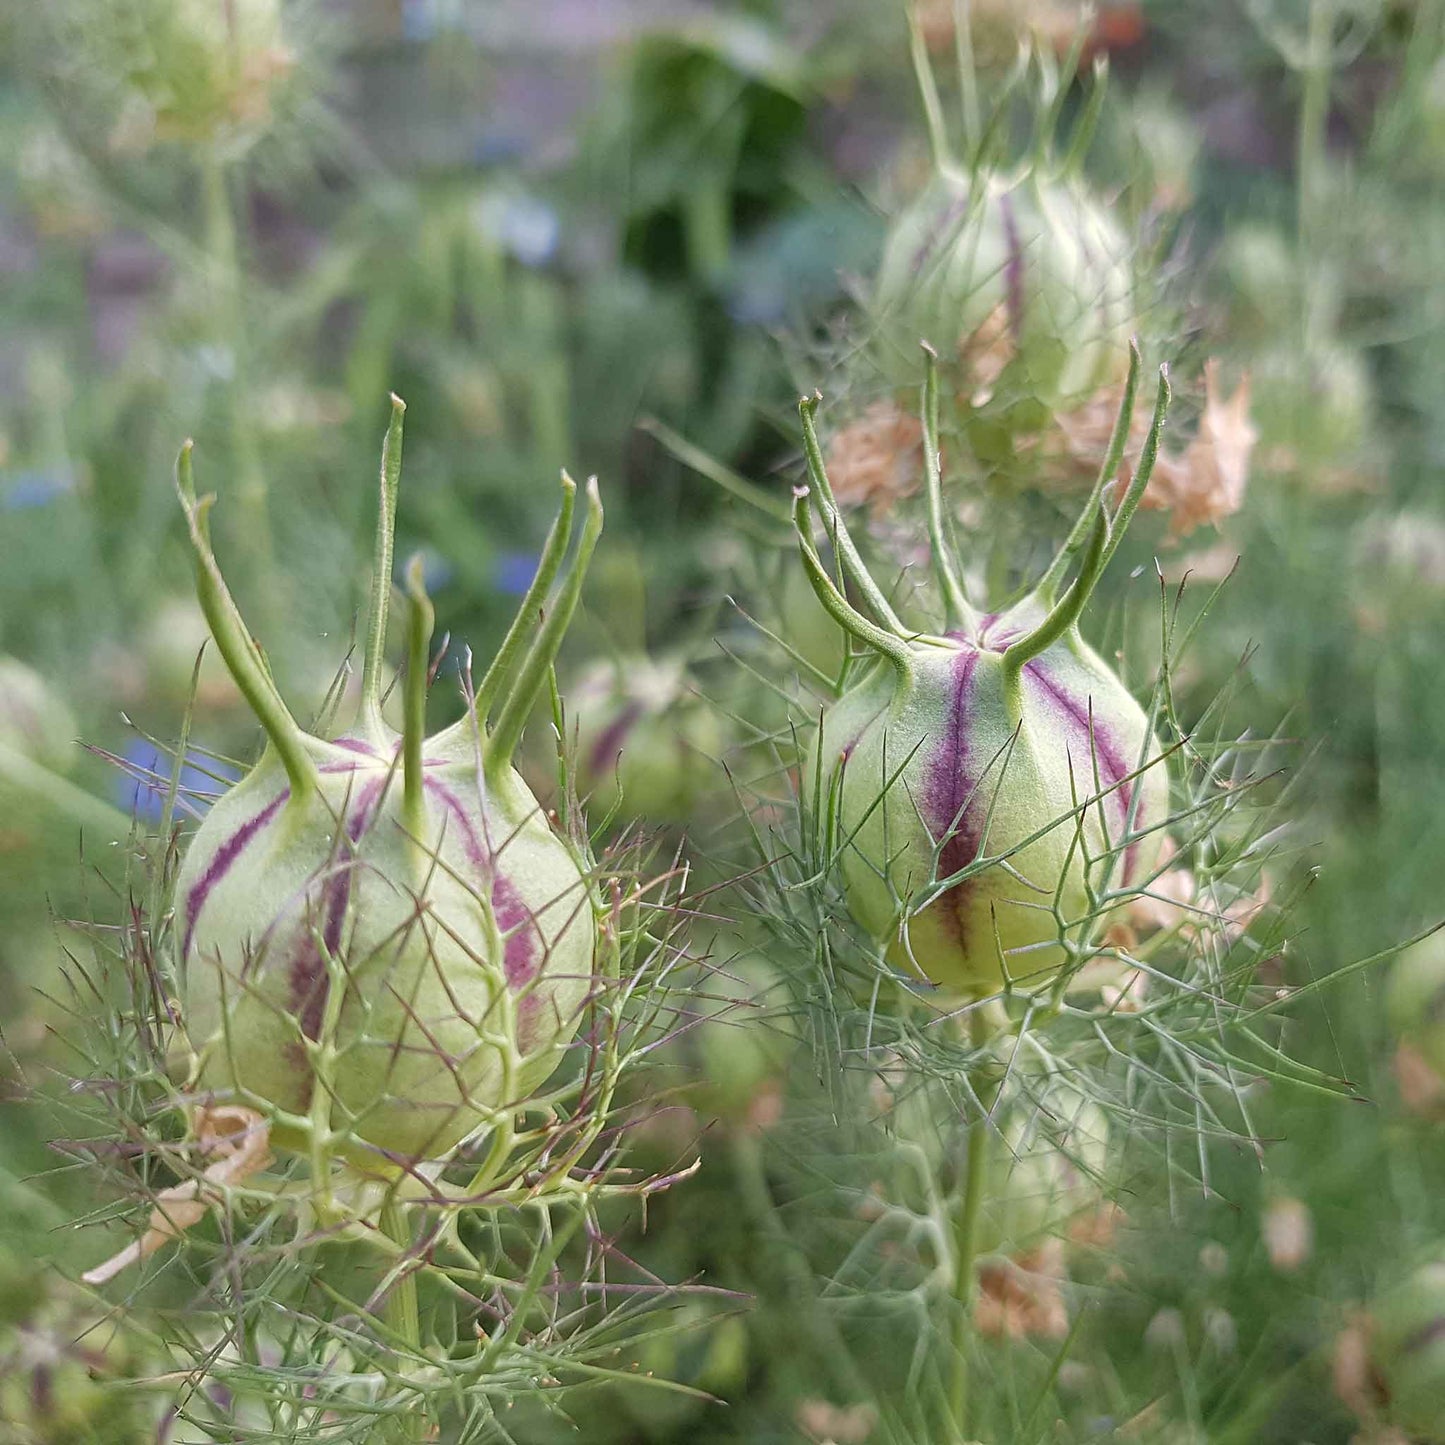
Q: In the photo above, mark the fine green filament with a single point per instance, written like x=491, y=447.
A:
x=958, y=615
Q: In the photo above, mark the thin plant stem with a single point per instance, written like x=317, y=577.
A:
x=965, y=1245
x=958, y=615
x=403, y=1316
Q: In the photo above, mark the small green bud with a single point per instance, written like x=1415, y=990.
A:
x=985, y=781
x=1032, y=272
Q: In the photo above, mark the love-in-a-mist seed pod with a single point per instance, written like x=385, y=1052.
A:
x=1030, y=270
x=981, y=786
x=383, y=943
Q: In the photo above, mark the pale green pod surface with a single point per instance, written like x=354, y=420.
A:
x=1415, y=999
x=1039, y=255
x=461, y=964
x=35, y=721
x=1408, y=1347
x=965, y=762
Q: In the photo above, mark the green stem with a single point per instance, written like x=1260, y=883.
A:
x=1064, y=613
x=20, y=771
x=1314, y=115
x=928, y=93
x=532, y=676
x=403, y=1316
x=886, y=644
x=965, y=1243
x=242, y=657
x=381, y=567
x=1113, y=456
x=421, y=620
x=967, y=75
x=958, y=615
x=1139, y=483
x=524, y=624
x=852, y=562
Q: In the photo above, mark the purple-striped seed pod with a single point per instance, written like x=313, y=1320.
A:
x=1022, y=285
x=984, y=786
x=383, y=943
x=645, y=739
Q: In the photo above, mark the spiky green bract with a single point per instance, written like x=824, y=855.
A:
x=986, y=782
x=382, y=942
x=1408, y=1347
x=1032, y=270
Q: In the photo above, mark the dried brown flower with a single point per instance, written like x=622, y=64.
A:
x=877, y=459
x=1021, y=1298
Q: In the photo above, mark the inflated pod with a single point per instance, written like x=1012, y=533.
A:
x=383, y=942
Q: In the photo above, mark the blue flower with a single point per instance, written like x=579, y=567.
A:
x=25, y=491
x=524, y=225
x=514, y=572
x=141, y=786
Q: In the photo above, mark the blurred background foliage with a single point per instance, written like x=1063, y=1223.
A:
x=621, y=237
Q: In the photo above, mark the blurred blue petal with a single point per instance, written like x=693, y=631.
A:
x=524, y=225
x=514, y=572
x=140, y=789
x=25, y=491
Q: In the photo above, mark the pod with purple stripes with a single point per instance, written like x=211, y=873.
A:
x=984, y=788
x=1022, y=284
x=648, y=741
x=383, y=942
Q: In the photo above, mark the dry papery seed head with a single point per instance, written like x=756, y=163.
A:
x=987, y=779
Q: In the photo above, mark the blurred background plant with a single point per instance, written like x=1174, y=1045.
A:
x=622, y=237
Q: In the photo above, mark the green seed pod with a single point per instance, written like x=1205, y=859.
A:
x=34, y=720
x=1408, y=1348
x=646, y=741
x=382, y=942
x=984, y=781
x=1032, y=271
x=1415, y=999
